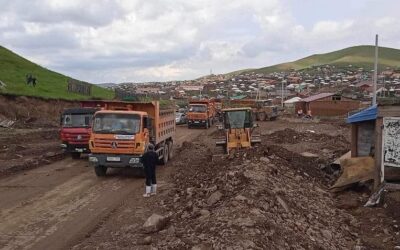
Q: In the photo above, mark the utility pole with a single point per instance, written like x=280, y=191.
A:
x=375, y=78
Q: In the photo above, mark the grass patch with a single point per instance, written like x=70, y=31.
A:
x=358, y=56
x=50, y=84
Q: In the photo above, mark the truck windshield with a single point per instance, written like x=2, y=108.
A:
x=198, y=108
x=76, y=120
x=126, y=124
x=237, y=119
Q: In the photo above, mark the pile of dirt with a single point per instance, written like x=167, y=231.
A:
x=31, y=112
x=291, y=136
x=253, y=201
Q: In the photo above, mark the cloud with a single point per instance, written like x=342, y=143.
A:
x=133, y=40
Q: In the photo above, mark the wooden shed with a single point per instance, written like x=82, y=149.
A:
x=376, y=132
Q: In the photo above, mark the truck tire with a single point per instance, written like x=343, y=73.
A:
x=170, y=150
x=261, y=116
x=254, y=116
x=189, y=127
x=164, y=160
x=76, y=155
x=100, y=171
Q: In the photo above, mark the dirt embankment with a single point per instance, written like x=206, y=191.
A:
x=30, y=112
x=33, y=138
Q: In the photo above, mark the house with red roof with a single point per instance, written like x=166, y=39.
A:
x=327, y=104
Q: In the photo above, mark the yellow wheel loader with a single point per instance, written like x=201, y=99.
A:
x=238, y=129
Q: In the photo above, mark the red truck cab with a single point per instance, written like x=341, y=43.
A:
x=75, y=130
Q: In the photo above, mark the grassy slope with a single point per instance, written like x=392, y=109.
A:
x=13, y=69
x=361, y=56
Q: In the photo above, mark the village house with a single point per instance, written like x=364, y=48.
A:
x=363, y=86
x=327, y=104
x=147, y=90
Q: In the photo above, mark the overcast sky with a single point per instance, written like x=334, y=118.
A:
x=159, y=40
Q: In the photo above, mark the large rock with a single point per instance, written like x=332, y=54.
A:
x=214, y=198
x=327, y=234
x=155, y=223
x=265, y=159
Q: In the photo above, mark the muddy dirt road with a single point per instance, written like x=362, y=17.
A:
x=57, y=205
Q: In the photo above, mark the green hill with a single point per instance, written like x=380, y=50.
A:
x=358, y=56
x=50, y=84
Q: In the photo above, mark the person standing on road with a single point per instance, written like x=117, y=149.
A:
x=150, y=159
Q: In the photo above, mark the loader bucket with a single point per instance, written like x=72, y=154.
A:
x=354, y=170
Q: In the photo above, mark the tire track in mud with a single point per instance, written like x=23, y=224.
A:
x=46, y=208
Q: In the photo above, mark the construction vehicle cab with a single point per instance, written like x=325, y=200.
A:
x=75, y=130
x=262, y=109
x=201, y=113
x=122, y=132
x=239, y=128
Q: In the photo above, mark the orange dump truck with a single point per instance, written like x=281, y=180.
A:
x=201, y=113
x=122, y=131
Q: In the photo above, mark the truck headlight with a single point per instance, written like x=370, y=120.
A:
x=93, y=159
x=134, y=160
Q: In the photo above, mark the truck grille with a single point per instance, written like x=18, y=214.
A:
x=197, y=116
x=77, y=138
x=114, y=144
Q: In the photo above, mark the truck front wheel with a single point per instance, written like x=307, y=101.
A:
x=76, y=155
x=261, y=116
x=100, y=171
x=170, y=150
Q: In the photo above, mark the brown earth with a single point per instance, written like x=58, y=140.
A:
x=266, y=198
x=274, y=196
x=33, y=139
x=57, y=205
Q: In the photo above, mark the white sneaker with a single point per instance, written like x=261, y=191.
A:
x=148, y=191
x=153, y=189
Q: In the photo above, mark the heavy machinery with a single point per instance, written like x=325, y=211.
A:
x=238, y=129
x=122, y=132
x=201, y=113
x=75, y=130
x=262, y=109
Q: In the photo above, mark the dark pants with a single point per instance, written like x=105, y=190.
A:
x=150, y=173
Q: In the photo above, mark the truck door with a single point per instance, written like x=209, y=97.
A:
x=148, y=123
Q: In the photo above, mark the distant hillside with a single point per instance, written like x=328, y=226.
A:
x=359, y=56
x=50, y=84
x=107, y=85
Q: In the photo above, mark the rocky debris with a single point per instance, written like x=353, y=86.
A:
x=214, y=198
x=6, y=123
x=260, y=199
x=308, y=154
x=291, y=136
x=202, y=247
x=147, y=240
x=154, y=223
